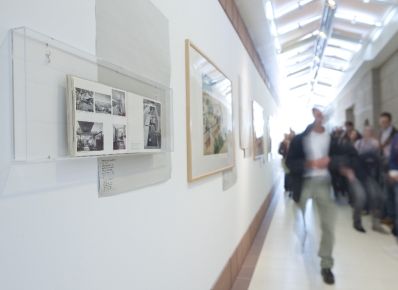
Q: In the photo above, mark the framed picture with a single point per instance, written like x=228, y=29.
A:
x=104, y=120
x=245, y=116
x=209, y=116
x=258, y=130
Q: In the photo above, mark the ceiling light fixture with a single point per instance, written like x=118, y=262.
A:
x=294, y=26
x=292, y=7
x=288, y=28
x=389, y=17
x=269, y=11
x=272, y=28
x=302, y=3
x=362, y=19
x=326, y=30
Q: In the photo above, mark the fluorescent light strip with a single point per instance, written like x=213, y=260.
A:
x=299, y=72
x=345, y=44
x=337, y=57
x=309, y=20
x=299, y=86
x=288, y=28
x=359, y=19
x=293, y=26
x=281, y=12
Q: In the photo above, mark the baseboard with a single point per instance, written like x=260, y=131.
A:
x=231, y=270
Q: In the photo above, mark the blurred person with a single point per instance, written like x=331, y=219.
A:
x=283, y=149
x=283, y=146
x=337, y=132
x=339, y=183
x=309, y=157
x=354, y=136
x=350, y=132
x=368, y=149
x=387, y=132
x=393, y=177
x=349, y=167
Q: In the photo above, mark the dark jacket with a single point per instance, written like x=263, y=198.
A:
x=296, y=159
x=282, y=150
x=387, y=142
x=393, y=162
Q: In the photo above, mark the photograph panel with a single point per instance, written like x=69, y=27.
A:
x=118, y=103
x=89, y=136
x=152, y=125
x=84, y=100
x=103, y=103
x=119, y=137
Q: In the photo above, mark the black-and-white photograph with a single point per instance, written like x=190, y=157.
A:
x=118, y=103
x=103, y=103
x=119, y=137
x=89, y=136
x=84, y=100
x=152, y=125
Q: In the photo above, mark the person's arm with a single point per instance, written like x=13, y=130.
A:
x=282, y=149
x=393, y=161
x=295, y=159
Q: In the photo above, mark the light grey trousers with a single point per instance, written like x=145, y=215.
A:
x=319, y=189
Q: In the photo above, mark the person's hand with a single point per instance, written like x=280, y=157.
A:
x=323, y=163
x=392, y=178
x=348, y=173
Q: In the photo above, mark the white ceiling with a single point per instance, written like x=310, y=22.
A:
x=300, y=51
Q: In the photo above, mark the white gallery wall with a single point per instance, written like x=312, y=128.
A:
x=173, y=235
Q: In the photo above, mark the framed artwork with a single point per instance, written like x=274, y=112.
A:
x=245, y=116
x=258, y=130
x=210, y=143
x=106, y=121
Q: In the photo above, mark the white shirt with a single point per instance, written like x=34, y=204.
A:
x=316, y=146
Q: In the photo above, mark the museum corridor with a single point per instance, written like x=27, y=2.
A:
x=173, y=145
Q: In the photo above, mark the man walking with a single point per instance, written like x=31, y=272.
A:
x=309, y=159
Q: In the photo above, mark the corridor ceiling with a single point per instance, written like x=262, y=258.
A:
x=316, y=42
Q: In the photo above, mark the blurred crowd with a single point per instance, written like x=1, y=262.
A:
x=367, y=172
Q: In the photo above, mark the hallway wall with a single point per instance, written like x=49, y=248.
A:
x=358, y=94
x=389, y=87
x=173, y=235
x=371, y=91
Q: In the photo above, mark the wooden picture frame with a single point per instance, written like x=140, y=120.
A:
x=210, y=141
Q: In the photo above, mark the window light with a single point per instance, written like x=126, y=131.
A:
x=376, y=34
x=389, y=17
x=269, y=11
